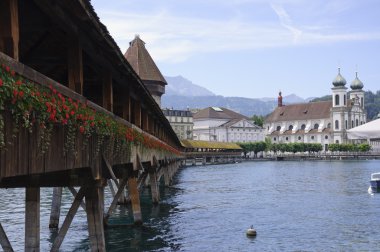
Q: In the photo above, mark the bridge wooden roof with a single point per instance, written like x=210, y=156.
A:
x=53, y=32
x=197, y=144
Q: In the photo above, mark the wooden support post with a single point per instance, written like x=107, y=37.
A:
x=74, y=193
x=32, y=219
x=9, y=28
x=137, y=108
x=110, y=185
x=119, y=193
x=75, y=64
x=135, y=198
x=4, y=241
x=67, y=222
x=55, y=207
x=127, y=107
x=94, y=209
x=167, y=175
x=154, y=185
x=107, y=91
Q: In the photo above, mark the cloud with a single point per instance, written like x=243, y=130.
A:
x=174, y=38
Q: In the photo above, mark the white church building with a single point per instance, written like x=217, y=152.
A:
x=224, y=125
x=319, y=122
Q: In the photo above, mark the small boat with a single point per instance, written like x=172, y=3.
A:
x=375, y=182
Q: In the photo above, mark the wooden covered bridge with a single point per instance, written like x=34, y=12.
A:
x=74, y=113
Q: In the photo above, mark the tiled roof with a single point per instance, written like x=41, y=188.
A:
x=141, y=61
x=303, y=111
x=209, y=145
x=218, y=113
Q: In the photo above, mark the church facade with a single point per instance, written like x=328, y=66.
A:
x=323, y=122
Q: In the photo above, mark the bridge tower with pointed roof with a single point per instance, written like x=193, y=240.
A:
x=143, y=64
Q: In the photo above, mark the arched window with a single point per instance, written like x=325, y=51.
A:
x=336, y=100
x=344, y=100
x=290, y=127
x=337, y=141
x=274, y=139
x=357, y=122
x=329, y=125
x=361, y=102
x=352, y=123
x=312, y=137
x=278, y=128
x=299, y=137
x=287, y=138
x=336, y=124
x=326, y=137
x=346, y=124
x=303, y=126
x=316, y=126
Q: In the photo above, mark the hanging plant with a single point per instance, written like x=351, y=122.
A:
x=34, y=105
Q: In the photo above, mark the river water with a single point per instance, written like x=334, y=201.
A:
x=294, y=206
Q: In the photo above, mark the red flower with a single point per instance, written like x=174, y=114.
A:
x=13, y=73
x=21, y=94
x=18, y=83
x=15, y=93
x=7, y=69
x=1, y=82
x=81, y=129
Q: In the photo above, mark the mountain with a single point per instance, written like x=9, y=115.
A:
x=178, y=85
x=181, y=94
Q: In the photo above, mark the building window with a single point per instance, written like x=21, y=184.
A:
x=329, y=125
x=336, y=100
x=337, y=141
x=303, y=126
x=336, y=124
x=361, y=102
x=287, y=138
x=278, y=128
x=290, y=127
x=344, y=100
x=299, y=137
x=346, y=124
x=274, y=139
x=352, y=123
x=326, y=137
x=312, y=137
x=316, y=126
x=357, y=122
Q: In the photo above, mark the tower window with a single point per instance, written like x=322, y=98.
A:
x=303, y=126
x=357, y=122
x=344, y=100
x=336, y=100
x=336, y=124
x=316, y=126
x=278, y=128
x=346, y=124
x=290, y=127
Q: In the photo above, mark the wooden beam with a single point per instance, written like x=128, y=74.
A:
x=94, y=209
x=107, y=91
x=32, y=219
x=137, y=108
x=69, y=218
x=120, y=190
x=4, y=241
x=9, y=28
x=135, y=199
x=154, y=185
x=127, y=107
x=75, y=64
x=55, y=207
x=74, y=193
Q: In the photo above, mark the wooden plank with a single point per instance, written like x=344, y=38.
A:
x=55, y=207
x=9, y=28
x=32, y=219
x=94, y=209
x=4, y=241
x=69, y=218
x=137, y=107
x=107, y=91
x=75, y=64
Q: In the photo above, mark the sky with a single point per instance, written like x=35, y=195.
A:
x=254, y=48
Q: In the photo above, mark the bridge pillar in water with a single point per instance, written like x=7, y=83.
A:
x=95, y=210
x=32, y=219
x=134, y=197
x=204, y=161
x=55, y=207
x=194, y=162
x=167, y=175
x=154, y=185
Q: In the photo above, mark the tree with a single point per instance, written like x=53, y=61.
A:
x=258, y=120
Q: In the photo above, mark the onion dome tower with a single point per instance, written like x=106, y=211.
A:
x=339, y=94
x=357, y=90
x=143, y=64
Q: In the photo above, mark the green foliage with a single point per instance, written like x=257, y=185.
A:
x=364, y=147
x=258, y=120
x=254, y=147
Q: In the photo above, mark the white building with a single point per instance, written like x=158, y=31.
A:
x=319, y=122
x=181, y=122
x=223, y=125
